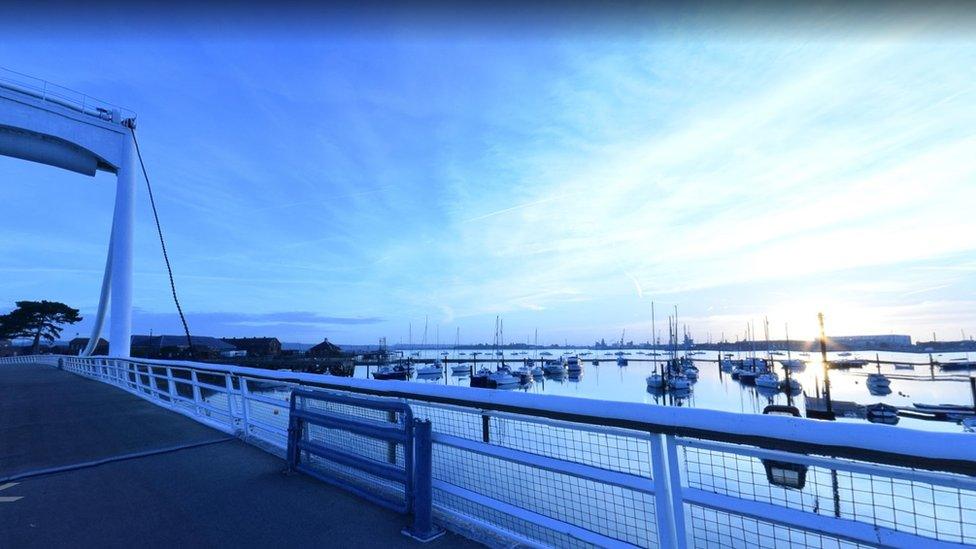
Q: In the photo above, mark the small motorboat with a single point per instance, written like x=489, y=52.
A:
x=903, y=366
x=481, y=378
x=524, y=374
x=881, y=413
x=503, y=378
x=395, y=371
x=460, y=368
x=572, y=363
x=622, y=361
x=794, y=364
x=655, y=381
x=845, y=353
x=554, y=367
x=746, y=376
x=878, y=380
x=949, y=410
x=431, y=370
x=957, y=364
x=768, y=380
x=679, y=383
x=844, y=364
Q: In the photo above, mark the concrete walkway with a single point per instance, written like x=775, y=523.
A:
x=218, y=493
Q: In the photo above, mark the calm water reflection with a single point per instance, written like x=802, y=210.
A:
x=718, y=391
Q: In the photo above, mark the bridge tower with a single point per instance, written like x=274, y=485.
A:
x=51, y=125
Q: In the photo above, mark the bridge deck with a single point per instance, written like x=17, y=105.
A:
x=140, y=490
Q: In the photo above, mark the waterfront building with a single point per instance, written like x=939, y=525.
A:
x=174, y=346
x=78, y=344
x=889, y=341
x=256, y=346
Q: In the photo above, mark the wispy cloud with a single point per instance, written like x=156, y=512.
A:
x=560, y=184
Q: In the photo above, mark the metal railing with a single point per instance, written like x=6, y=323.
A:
x=62, y=96
x=335, y=437
x=561, y=471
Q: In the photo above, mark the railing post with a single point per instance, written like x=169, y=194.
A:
x=245, y=414
x=423, y=528
x=294, y=432
x=231, y=405
x=153, y=389
x=391, y=446
x=172, y=387
x=485, y=427
x=674, y=488
x=666, y=527
x=197, y=398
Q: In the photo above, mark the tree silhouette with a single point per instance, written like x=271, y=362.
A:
x=37, y=319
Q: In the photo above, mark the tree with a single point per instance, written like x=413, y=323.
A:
x=36, y=320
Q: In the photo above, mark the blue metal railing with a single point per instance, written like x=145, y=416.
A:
x=338, y=412
x=329, y=434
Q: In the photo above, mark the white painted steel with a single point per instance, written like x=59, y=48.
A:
x=666, y=531
x=120, y=329
x=45, y=123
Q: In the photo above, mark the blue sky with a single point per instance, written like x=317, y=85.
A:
x=346, y=184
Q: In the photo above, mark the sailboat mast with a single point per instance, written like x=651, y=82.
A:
x=788, y=343
x=653, y=331
x=676, y=331
x=752, y=338
x=769, y=354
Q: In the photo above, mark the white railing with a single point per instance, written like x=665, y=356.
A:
x=562, y=471
x=62, y=96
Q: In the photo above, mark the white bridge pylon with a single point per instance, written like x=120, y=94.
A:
x=51, y=125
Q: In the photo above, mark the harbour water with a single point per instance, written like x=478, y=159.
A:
x=717, y=390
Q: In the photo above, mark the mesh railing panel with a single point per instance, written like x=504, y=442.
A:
x=709, y=528
x=915, y=507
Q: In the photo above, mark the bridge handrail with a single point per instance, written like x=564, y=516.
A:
x=885, y=444
x=544, y=469
x=62, y=96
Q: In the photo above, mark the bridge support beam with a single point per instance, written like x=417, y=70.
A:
x=120, y=329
